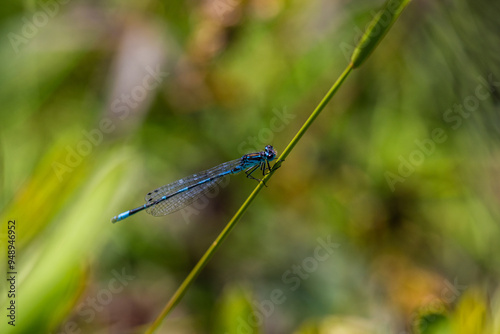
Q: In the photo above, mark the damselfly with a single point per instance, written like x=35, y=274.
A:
x=176, y=195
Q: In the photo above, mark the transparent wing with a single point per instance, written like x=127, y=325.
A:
x=182, y=199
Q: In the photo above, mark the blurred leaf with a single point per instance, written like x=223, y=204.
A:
x=50, y=271
x=471, y=314
x=434, y=323
x=235, y=313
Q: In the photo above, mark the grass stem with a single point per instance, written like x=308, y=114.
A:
x=374, y=33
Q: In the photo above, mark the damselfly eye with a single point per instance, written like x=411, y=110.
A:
x=270, y=152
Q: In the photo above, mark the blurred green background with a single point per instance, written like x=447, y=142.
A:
x=102, y=102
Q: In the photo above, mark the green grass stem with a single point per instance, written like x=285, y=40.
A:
x=225, y=232
x=375, y=32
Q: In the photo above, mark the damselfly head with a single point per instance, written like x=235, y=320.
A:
x=270, y=153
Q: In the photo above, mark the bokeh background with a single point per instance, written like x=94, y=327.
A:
x=384, y=218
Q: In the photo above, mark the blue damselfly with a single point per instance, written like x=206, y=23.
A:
x=176, y=195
